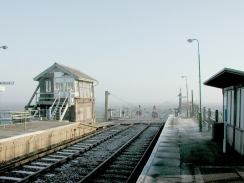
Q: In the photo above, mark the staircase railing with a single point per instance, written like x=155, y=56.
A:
x=65, y=109
x=32, y=97
x=56, y=107
x=57, y=98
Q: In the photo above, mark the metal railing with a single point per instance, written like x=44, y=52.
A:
x=54, y=96
x=208, y=116
x=11, y=117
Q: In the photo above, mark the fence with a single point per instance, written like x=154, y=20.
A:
x=208, y=116
x=8, y=117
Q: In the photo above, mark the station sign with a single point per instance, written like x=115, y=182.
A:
x=6, y=82
x=2, y=88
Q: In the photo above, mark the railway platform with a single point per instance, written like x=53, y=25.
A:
x=183, y=154
x=21, y=139
x=11, y=130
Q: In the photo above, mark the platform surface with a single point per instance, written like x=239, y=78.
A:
x=184, y=154
x=11, y=130
x=15, y=129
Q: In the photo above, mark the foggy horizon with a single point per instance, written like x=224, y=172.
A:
x=138, y=51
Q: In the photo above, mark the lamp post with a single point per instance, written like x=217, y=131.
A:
x=4, y=47
x=186, y=94
x=200, y=104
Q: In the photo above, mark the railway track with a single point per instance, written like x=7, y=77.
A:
x=127, y=162
x=82, y=160
x=4, y=166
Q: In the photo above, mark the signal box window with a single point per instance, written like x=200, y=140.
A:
x=48, y=86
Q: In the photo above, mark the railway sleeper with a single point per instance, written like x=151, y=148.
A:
x=56, y=156
x=10, y=178
x=112, y=176
x=51, y=159
x=118, y=171
x=116, y=166
x=135, y=154
x=69, y=152
x=41, y=164
x=23, y=172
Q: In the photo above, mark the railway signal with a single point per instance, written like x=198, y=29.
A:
x=6, y=82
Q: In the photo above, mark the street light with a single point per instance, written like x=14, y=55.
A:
x=4, y=47
x=200, y=104
x=186, y=94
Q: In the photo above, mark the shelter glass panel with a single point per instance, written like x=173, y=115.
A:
x=242, y=110
x=225, y=106
x=238, y=108
x=230, y=107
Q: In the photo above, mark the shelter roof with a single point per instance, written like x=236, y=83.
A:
x=75, y=73
x=225, y=78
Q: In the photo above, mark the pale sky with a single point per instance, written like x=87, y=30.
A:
x=137, y=50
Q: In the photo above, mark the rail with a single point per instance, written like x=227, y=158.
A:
x=84, y=179
x=70, y=154
x=21, y=160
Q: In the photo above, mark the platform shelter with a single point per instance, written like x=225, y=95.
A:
x=231, y=82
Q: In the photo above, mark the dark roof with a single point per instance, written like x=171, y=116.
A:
x=75, y=73
x=225, y=78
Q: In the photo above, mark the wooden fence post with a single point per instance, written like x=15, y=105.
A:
x=216, y=115
x=204, y=115
x=209, y=120
x=197, y=113
x=4, y=121
x=25, y=123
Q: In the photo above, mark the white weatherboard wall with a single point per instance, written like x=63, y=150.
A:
x=24, y=144
x=239, y=143
x=238, y=138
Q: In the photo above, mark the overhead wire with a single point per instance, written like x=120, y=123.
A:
x=168, y=101
x=124, y=101
x=145, y=108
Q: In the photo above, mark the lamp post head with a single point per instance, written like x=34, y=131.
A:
x=183, y=76
x=4, y=47
x=189, y=40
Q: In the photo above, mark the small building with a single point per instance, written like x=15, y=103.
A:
x=232, y=84
x=66, y=93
